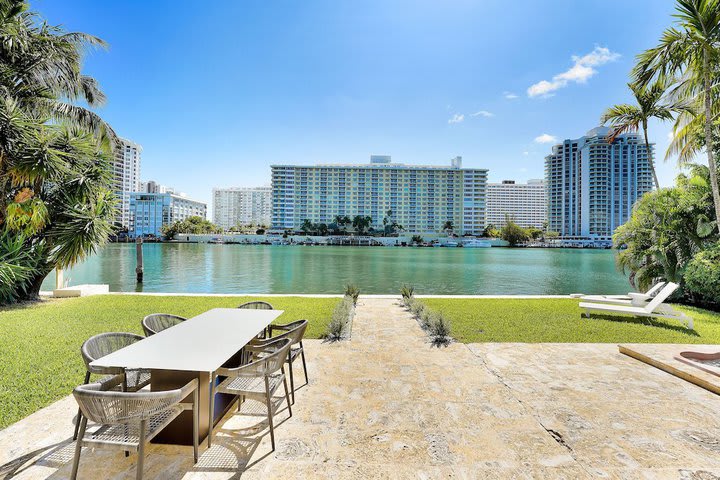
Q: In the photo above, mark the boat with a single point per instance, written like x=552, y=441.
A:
x=475, y=243
x=217, y=241
x=449, y=243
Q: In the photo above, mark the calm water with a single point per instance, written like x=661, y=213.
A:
x=204, y=268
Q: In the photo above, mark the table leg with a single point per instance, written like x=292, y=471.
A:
x=179, y=431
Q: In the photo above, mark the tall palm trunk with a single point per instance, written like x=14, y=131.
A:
x=709, y=139
x=651, y=160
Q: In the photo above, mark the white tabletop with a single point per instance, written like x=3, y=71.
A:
x=199, y=344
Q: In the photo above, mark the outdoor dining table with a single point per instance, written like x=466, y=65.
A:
x=192, y=349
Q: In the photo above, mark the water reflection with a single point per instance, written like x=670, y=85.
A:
x=304, y=269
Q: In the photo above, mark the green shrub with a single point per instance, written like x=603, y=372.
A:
x=407, y=292
x=353, y=292
x=416, y=308
x=426, y=318
x=440, y=329
x=702, y=275
x=338, y=328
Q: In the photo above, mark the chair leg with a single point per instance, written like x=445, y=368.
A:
x=302, y=354
x=78, y=448
x=292, y=380
x=141, y=451
x=287, y=395
x=212, y=408
x=196, y=424
x=79, y=414
x=268, y=401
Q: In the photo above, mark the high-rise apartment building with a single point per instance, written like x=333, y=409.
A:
x=150, y=211
x=126, y=177
x=421, y=197
x=523, y=203
x=592, y=184
x=242, y=205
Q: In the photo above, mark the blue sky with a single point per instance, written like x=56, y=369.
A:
x=215, y=92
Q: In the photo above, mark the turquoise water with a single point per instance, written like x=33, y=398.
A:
x=204, y=268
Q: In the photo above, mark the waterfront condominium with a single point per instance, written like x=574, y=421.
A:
x=126, y=177
x=421, y=197
x=242, y=206
x=523, y=203
x=149, y=211
x=592, y=184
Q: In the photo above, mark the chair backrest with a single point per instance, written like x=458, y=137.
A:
x=157, y=322
x=256, y=305
x=104, y=344
x=655, y=288
x=114, y=407
x=267, y=358
x=295, y=331
x=661, y=296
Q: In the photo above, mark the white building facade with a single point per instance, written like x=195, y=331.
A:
x=126, y=177
x=592, y=184
x=421, y=197
x=242, y=206
x=523, y=203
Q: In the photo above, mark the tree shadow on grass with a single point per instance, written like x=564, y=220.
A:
x=648, y=321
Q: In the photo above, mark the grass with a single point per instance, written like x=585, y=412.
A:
x=40, y=356
x=560, y=320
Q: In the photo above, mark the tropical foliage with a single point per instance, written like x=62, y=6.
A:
x=702, y=275
x=667, y=228
x=513, y=233
x=192, y=225
x=55, y=204
x=687, y=59
x=624, y=118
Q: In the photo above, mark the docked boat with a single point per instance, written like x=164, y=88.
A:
x=475, y=243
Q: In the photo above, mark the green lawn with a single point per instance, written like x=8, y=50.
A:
x=40, y=355
x=560, y=320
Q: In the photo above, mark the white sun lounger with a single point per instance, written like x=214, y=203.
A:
x=655, y=308
x=632, y=298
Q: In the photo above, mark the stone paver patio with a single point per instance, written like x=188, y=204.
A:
x=388, y=405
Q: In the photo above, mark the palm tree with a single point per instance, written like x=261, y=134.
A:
x=42, y=70
x=448, y=227
x=690, y=52
x=624, y=118
x=55, y=170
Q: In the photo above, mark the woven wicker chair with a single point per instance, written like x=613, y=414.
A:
x=104, y=344
x=257, y=380
x=157, y=322
x=295, y=331
x=258, y=305
x=128, y=420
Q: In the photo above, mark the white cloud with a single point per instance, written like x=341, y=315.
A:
x=670, y=136
x=581, y=71
x=510, y=95
x=457, y=118
x=526, y=153
x=546, y=138
x=482, y=113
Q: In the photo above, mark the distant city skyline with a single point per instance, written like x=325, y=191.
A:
x=333, y=82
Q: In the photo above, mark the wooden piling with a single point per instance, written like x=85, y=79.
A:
x=139, y=257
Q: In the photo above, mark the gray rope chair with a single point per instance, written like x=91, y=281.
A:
x=157, y=322
x=257, y=380
x=104, y=344
x=128, y=420
x=295, y=331
x=258, y=305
